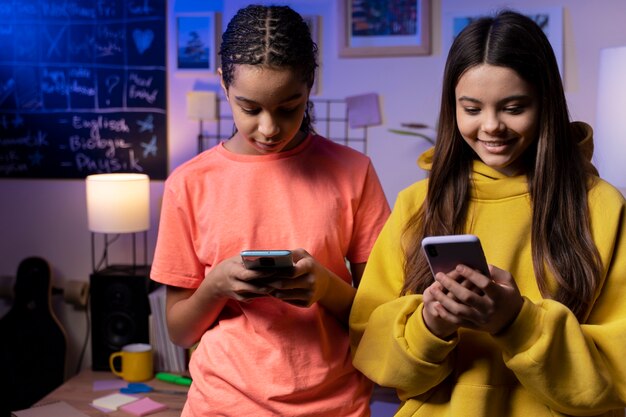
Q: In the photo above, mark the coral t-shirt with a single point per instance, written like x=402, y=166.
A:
x=266, y=357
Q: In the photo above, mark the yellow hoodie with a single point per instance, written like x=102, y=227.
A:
x=545, y=364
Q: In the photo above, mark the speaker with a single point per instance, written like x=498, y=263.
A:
x=120, y=311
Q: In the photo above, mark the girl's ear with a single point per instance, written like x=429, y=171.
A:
x=219, y=71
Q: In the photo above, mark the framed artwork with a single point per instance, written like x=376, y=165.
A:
x=550, y=19
x=313, y=21
x=197, y=41
x=384, y=28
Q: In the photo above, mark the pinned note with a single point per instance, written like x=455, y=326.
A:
x=201, y=105
x=363, y=110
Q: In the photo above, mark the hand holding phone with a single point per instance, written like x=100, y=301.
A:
x=444, y=253
x=277, y=270
x=499, y=291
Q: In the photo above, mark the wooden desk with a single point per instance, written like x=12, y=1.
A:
x=78, y=392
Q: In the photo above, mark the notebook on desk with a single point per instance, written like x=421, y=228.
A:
x=56, y=409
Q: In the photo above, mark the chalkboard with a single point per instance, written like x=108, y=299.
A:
x=82, y=88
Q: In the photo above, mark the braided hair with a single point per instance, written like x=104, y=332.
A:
x=272, y=36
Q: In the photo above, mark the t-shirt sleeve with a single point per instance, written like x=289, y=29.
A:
x=370, y=216
x=175, y=260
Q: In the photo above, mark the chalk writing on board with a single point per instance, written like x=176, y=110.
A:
x=82, y=88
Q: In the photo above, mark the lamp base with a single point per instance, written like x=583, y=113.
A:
x=104, y=260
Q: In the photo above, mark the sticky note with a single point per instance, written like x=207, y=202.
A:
x=108, y=384
x=143, y=407
x=113, y=401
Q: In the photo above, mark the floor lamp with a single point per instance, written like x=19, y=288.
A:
x=116, y=204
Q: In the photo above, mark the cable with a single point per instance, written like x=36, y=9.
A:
x=105, y=252
x=87, y=334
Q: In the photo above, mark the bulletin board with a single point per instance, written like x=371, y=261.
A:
x=331, y=119
x=82, y=88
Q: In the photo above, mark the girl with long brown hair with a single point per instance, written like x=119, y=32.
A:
x=545, y=333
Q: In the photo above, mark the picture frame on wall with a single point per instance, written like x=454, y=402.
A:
x=550, y=19
x=384, y=28
x=197, y=41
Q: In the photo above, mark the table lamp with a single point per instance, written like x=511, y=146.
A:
x=610, y=129
x=116, y=204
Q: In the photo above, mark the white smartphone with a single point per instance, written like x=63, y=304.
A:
x=267, y=259
x=444, y=253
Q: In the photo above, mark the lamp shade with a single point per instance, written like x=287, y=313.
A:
x=118, y=203
x=610, y=129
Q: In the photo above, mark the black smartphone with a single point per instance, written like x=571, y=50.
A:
x=267, y=259
x=444, y=253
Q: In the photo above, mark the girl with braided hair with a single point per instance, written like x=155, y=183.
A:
x=270, y=343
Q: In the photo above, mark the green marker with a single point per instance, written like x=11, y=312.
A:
x=173, y=379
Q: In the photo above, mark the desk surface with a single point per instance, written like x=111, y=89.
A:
x=78, y=392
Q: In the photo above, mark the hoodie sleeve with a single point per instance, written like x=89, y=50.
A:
x=573, y=366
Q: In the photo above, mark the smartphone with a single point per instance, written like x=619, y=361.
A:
x=444, y=253
x=267, y=259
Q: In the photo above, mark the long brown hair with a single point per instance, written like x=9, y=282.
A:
x=558, y=174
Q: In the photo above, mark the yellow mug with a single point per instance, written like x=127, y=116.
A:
x=136, y=362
